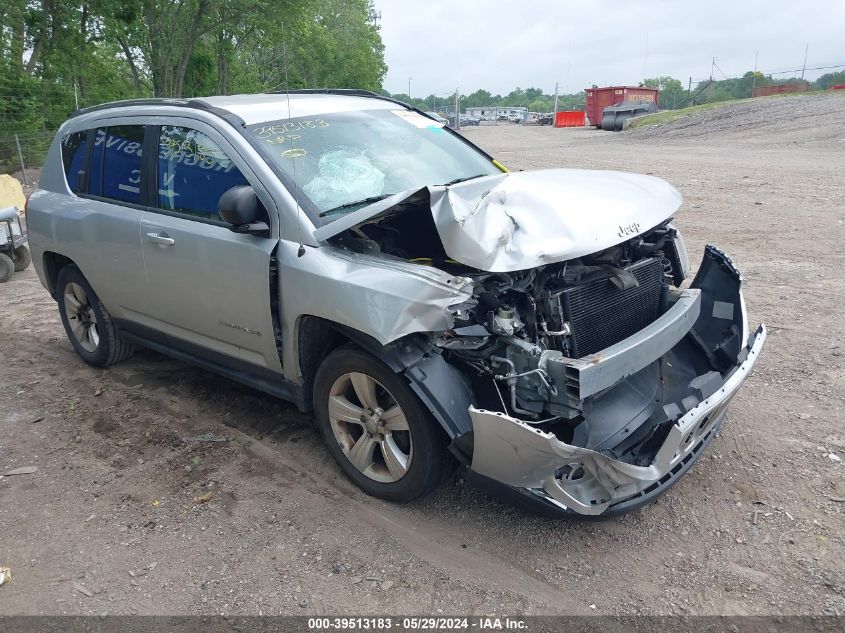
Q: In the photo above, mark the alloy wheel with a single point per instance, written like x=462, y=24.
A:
x=81, y=317
x=370, y=427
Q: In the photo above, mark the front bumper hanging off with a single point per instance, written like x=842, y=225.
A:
x=694, y=380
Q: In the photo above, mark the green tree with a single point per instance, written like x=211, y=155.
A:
x=671, y=91
x=532, y=93
x=514, y=98
x=539, y=105
x=830, y=79
x=57, y=55
x=479, y=98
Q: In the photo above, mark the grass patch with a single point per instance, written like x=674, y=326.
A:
x=667, y=116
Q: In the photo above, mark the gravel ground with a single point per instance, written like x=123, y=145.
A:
x=801, y=119
x=162, y=489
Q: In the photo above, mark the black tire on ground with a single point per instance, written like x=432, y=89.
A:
x=430, y=461
x=112, y=347
x=7, y=268
x=22, y=258
x=619, y=124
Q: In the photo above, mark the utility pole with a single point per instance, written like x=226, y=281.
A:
x=555, y=110
x=409, y=88
x=76, y=94
x=457, y=112
x=804, y=67
x=689, y=91
x=754, y=79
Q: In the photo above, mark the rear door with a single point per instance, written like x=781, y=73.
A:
x=103, y=167
x=209, y=287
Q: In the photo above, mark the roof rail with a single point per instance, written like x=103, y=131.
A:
x=130, y=102
x=355, y=92
x=197, y=104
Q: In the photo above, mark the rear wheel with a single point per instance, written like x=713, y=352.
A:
x=376, y=428
x=88, y=324
x=7, y=268
x=22, y=258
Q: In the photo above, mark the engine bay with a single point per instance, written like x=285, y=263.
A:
x=591, y=357
x=517, y=321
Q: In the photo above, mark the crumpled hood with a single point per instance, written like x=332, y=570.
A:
x=526, y=219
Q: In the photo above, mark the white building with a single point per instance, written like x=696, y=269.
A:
x=491, y=113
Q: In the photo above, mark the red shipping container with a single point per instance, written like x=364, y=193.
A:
x=574, y=118
x=599, y=98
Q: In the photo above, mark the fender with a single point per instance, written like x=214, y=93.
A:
x=441, y=387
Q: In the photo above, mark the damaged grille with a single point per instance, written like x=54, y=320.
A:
x=600, y=314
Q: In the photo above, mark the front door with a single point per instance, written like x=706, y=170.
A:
x=209, y=288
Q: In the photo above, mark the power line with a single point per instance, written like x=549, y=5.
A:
x=764, y=72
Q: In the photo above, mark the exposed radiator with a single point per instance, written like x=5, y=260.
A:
x=600, y=314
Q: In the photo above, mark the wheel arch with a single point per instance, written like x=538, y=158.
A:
x=441, y=387
x=317, y=337
x=53, y=263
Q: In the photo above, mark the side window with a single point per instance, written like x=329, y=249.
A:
x=193, y=172
x=74, y=152
x=116, y=163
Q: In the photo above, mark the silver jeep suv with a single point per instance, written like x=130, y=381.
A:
x=354, y=256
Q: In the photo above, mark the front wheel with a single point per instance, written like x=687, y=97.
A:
x=88, y=324
x=376, y=428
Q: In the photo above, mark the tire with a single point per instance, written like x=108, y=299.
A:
x=619, y=124
x=88, y=324
x=22, y=258
x=7, y=268
x=407, y=450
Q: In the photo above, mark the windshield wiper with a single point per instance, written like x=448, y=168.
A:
x=464, y=179
x=357, y=203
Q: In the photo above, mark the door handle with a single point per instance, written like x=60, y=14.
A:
x=160, y=239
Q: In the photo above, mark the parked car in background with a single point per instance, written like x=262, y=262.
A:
x=469, y=120
x=348, y=253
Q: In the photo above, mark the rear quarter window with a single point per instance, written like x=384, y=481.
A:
x=74, y=152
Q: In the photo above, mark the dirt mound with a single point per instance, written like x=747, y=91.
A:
x=801, y=119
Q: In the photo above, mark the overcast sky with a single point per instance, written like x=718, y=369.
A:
x=500, y=44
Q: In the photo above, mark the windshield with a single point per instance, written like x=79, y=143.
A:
x=345, y=160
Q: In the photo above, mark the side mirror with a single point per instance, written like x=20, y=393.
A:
x=243, y=211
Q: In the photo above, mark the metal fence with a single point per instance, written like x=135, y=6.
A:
x=22, y=155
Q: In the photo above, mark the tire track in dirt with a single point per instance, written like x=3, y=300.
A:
x=427, y=541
